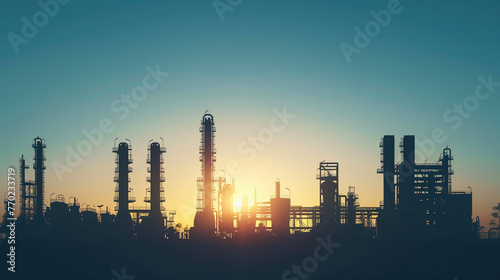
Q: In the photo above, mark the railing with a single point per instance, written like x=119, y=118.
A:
x=162, y=170
x=117, y=169
x=162, y=189
x=148, y=159
x=58, y=199
x=117, y=179
x=148, y=198
x=281, y=196
x=130, y=198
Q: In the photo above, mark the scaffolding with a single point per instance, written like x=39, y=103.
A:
x=27, y=190
x=39, y=167
x=206, y=197
x=329, y=199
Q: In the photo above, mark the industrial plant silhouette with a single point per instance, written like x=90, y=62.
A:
x=420, y=214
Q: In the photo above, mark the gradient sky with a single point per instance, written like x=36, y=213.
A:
x=264, y=56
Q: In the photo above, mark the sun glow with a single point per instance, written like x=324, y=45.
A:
x=237, y=204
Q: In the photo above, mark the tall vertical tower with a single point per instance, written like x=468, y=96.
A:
x=387, y=161
x=39, y=167
x=123, y=220
x=204, y=221
x=406, y=180
x=27, y=198
x=156, y=190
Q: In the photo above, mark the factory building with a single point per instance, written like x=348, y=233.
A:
x=418, y=201
x=418, y=197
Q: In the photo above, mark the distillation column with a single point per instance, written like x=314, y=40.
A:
x=204, y=222
x=39, y=166
x=123, y=220
x=155, y=218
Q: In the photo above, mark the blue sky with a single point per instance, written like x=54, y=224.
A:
x=264, y=55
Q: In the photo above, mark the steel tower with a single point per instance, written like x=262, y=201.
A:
x=123, y=220
x=204, y=220
x=156, y=190
x=39, y=167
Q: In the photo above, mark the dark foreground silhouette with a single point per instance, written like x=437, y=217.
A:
x=297, y=257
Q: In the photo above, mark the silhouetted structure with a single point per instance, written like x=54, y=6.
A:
x=426, y=207
x=107, y=222
x=204, y=221
x=329, y=201
x=59, y=216
x=155, y=225
x=39, y=167
x=27, y=194
x=75, y=217
x=418, y=204
x=123, y=220
x=89, y=222
x=280, y=213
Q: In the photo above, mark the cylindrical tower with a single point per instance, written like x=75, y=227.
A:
x=39, y=166
x=204, y=221
x=156, y=178
x=280, y=213
x=59, y=214
x=351, y=206
x=75, y=217
x=207, y=152
x=123, y=158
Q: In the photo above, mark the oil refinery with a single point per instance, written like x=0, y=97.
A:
x=418, y=201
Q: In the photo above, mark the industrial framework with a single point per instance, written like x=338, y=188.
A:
x=418, y=201
x=142, y=221
x=204, y=222
x=155, y=222
x=32, y=192
x=123, y=220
